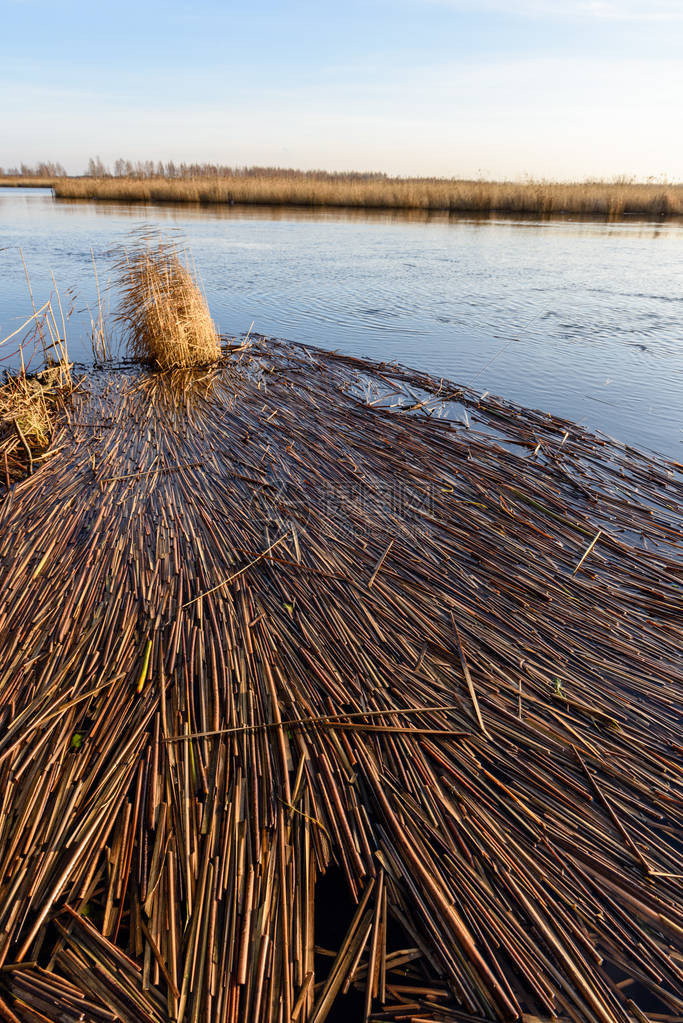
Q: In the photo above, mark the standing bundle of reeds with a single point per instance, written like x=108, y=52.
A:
x=163, y=310
x=356, y=616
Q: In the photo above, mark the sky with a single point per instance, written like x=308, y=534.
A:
x=508, y=89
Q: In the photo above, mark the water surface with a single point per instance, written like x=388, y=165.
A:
x=583, y=319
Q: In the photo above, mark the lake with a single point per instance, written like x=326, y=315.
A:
x=583, y=319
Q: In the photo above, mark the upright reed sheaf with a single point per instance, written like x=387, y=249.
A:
x=163, y=310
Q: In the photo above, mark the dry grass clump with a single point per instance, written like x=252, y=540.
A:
x=610, y=199
x=163, y=309
x=23, y=405
x=27, y=403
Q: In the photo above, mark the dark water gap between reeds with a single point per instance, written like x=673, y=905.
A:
x=579, y=318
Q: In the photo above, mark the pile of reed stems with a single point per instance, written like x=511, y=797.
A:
x=300, y=609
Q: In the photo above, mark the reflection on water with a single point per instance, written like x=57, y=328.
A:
x=171, y=210
x=579, y=317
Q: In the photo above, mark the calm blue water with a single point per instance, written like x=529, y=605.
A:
x=581, y=319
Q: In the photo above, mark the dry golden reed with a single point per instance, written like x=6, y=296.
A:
x=24, y=406
x=163, y=310
x=589, y=198
x=26, y=402
x=18, y=181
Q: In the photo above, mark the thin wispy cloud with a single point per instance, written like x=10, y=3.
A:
x=612, y=10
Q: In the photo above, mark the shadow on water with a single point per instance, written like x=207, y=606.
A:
x=334, y=911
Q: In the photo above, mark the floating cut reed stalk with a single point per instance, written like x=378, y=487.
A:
x=163, y=309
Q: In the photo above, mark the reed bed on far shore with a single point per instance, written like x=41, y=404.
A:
x=590, y=198
x=297, y=609
x=8, y=181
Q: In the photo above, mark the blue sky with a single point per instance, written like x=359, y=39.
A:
x=496, y=88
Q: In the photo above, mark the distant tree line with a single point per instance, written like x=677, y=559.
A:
x=143, y=169
x=39, y=170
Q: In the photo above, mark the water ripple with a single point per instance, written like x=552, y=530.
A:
x=581, y=319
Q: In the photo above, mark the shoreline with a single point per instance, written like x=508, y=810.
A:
x=10, y=182
x=595, y=200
